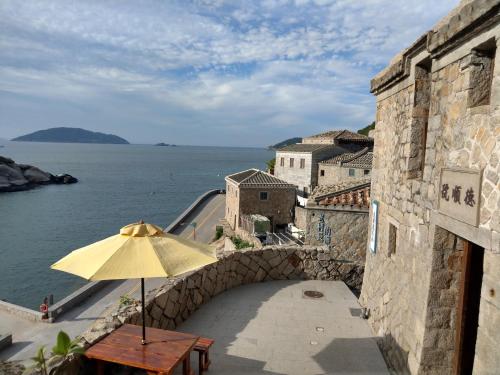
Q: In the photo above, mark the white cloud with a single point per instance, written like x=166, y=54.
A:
x=276, y=68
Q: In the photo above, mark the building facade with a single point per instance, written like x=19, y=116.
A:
x=343, y=138
x=255, y=192
x=348, y=166
x=298, y=164
x=432, y=275
x=337, y=216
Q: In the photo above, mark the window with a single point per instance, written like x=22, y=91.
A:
x=291, y=162
x=352, y=172
x=366, y=172
x=415, y=160
x=236, y=193
x=481, y=74
x=263, y=195
x=322, y=172
x=282, y=162
x=391, y=243
x=302, y=163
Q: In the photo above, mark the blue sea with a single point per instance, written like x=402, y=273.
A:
x=118, y=185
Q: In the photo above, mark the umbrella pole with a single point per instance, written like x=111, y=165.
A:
x=143, y=314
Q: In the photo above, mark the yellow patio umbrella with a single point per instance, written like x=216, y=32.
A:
x=140, y=250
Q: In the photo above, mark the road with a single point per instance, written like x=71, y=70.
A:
x=28, y=336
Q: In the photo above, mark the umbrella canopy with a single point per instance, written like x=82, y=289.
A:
x=139, y=251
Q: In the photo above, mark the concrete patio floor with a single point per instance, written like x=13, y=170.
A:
x=271, y=328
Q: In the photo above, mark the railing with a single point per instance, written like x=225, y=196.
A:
x=281, y=239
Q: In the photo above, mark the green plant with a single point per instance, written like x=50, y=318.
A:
x=127, y=300
x=40, y=362
x=219, y=231
x=270, y=165
x=366, y=129
x=64, y=346
x=240, y=244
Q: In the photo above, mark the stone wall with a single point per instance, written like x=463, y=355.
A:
x=401, y=289
x=278, y=207
x=305, y=178
x=345, y=232
x=232, y=204
x=301, y=177
x=333, y=174
x=300, y=217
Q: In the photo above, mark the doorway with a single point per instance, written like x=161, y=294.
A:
x=468, y=308
x=453, y=305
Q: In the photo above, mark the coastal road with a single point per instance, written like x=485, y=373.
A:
x=28, y=335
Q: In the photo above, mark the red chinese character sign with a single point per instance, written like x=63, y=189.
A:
x=459, y=194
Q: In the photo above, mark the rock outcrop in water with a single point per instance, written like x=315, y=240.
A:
x=18, y=177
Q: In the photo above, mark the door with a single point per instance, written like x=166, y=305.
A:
x=468, y=308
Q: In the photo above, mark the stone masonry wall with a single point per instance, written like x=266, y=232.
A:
x=398, y=288
x=300, y=217
x=301, y=177
x=334, y=174
x=278, y=207
x=349, y=232
x=232, y=204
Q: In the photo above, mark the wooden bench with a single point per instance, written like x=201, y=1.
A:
x=202, y=346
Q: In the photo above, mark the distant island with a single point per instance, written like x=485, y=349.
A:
x=290, y=141
x=71, y=135
x=19, y=177
x=165, y=144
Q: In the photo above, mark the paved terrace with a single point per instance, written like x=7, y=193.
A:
x=271, y=328
x=28, y=335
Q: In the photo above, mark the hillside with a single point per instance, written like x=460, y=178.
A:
x=70, y=135
x=367, y=129
x=290, y=141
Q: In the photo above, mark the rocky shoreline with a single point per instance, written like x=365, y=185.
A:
x=20, y=177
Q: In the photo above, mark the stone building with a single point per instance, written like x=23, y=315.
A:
x=432, y=275
x=256, y=192
x=343, y=138
x=298, y=164
x=337, y=216
x=347, y=166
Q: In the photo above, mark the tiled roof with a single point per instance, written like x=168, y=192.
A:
x=360, y=159
x=327, y=190
x=343, y=135
x=352, y=193
x=255, y=178
x=240, y=176
x=303, y=147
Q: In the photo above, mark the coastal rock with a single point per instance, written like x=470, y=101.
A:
x=19, y=177
x=35, y=175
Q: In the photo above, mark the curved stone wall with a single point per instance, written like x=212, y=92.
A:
x=173, y=303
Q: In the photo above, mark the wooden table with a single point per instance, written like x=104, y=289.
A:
x=162, y=353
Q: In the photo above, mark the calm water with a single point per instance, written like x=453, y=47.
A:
x=118, y=184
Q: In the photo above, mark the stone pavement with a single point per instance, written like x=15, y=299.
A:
x=271, y=328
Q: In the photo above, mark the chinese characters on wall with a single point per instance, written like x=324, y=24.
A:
x=459, y=194
x=456, y=191
x=324, y=232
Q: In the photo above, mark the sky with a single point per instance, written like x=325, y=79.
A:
x=249, y=73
